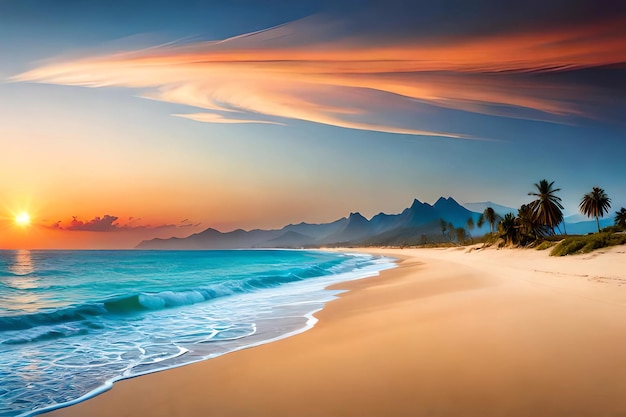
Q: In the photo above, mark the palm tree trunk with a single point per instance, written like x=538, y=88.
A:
x=598, y=223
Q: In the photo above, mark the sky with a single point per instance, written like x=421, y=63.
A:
x=127, y=120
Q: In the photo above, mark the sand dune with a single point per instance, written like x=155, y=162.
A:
x=447, y=333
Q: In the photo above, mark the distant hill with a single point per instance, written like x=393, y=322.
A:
x=498, y=208
x=358, y=227
x=453, y=212
x=317, y=231
x=588, y=226
x=418, y=223
x=290, y=239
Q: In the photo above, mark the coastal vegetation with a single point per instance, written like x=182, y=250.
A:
x=489, y=216
x=620, y=218
x=537, y=222
x=585, y=244
x=595, y=204
x=546, y=209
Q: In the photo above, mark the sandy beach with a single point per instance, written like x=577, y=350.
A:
x=447, y=333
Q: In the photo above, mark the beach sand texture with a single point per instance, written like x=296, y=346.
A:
x=447, y=333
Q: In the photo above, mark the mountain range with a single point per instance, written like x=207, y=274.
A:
x=418, y=223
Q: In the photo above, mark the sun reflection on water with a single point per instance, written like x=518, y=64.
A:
x=20, y=282
x=22, y=263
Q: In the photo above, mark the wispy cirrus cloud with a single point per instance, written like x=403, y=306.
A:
x=311, y=70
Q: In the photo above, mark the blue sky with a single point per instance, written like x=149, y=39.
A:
x=257, y=114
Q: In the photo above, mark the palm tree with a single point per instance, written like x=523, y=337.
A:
x=444, y=227
x=489, y=216
x=470, y=227
x=547, y=207
x=461, y=235
x=620, y=218
x=529, y=228
x=508, y=229
x=596, y=204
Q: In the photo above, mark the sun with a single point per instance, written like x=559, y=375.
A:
x=22, y=219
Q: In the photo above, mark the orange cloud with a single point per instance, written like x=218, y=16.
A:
x=109, y=223
x=284, y=73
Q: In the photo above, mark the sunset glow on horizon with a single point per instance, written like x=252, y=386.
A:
x=124, y=122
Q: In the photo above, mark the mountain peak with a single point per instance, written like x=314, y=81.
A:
x=416, y=203
x=356, y=216
x=208, y=231
x=446, y=202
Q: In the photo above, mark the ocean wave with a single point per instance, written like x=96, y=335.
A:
x=120, y=321
x=56, y=332
x=63, y=315
x=136, y=303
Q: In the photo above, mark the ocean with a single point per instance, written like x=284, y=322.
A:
x=73, y=322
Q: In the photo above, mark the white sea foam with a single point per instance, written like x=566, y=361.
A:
x=178, y=327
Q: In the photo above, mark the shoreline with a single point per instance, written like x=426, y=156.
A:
x=446, y=332
x=295, y=315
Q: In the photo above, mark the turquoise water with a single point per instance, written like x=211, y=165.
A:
x=72, y=322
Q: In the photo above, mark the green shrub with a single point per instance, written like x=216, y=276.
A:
x=568, y=246
x=546, y=244
x=586, y=244
x=596, y=242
